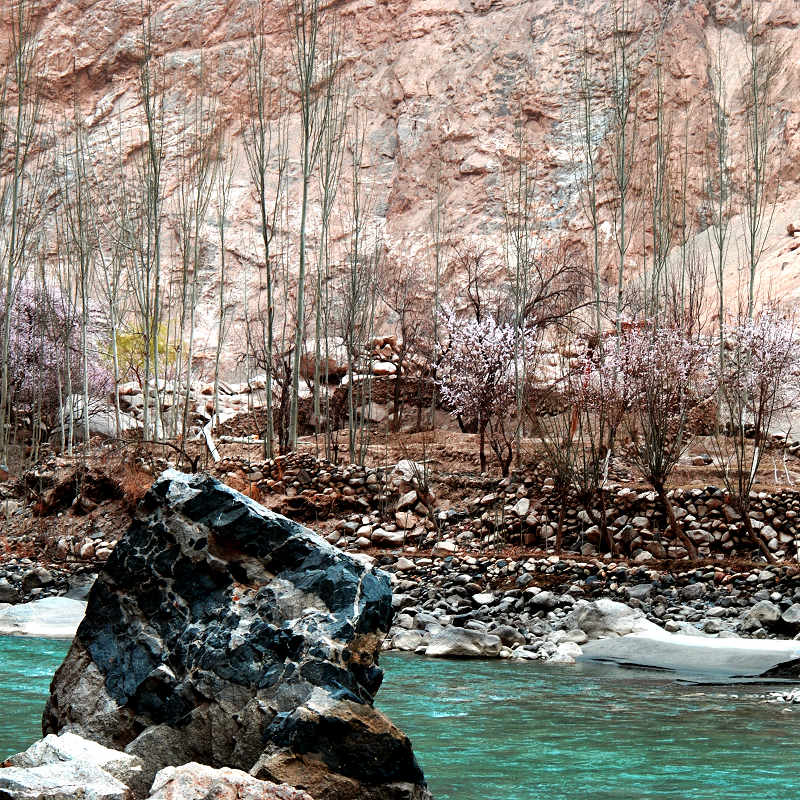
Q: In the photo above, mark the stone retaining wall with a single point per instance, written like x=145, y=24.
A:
x=523, y=508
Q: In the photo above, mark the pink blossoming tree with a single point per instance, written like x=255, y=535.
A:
x=758, y=379
x=648, y=379
x=45, y=362
x=475, y=372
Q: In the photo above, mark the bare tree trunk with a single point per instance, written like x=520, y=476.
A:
x=312, y=67
x=560, y=524
x=224, y=179
x=482, y=443
x=21, y=207
x=588, y=125
x=763, y=63
x=141, y=229
x=754, y=537
x=77, y=208
x=520, y=255
x=197, y=171
x=602, y=523
x=677, y=531
x=331, y=156
x=439, y=234
x=718, y=190
x=623, y=111
x=265, y=141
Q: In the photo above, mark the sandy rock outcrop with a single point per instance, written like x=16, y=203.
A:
x=198, y=782
x=222, y=633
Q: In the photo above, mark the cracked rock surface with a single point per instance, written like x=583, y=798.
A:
x=222, y=633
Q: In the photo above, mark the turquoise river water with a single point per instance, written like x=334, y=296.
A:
x=489, y=730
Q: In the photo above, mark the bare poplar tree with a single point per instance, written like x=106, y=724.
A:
x=718, y=184
x=68, y=309
x=589, y=128
x=113, y=262
x=439, y=238
x=758, y=86
x=77, y=205
x=141, y=226
x=660, y=195
x=520, y=254
x=623, y=136
x=358, y=291
x=222, y=198
x=331, y=157
x=266, y=149
x=314, y=67
x=23, y=184
x=196, y=166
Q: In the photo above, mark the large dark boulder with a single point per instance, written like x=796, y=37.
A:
x=223, y=633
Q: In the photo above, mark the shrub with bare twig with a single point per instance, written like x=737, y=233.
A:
x=758, y=379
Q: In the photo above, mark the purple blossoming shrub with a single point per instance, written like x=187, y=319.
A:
x=44, y=347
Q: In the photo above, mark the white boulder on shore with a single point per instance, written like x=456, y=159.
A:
x=454, y=642
x=67, y=766
x=49, y=618
x=606, y=618
x=62, y=780
x=68, y=747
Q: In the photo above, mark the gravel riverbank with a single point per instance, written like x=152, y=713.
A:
x=533, y=607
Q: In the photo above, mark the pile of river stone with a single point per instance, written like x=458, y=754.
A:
x=467, y=605
x=23, y=580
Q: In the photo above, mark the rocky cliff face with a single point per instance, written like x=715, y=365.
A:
x=224, y=634
x=443, y=84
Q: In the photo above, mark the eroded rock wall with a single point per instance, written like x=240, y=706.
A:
x=443, y=84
